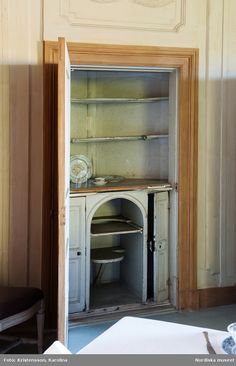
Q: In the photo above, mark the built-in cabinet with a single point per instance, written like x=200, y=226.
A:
x=122, y=127
x=132, y=111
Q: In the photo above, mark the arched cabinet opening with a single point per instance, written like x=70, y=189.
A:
x=118, y=255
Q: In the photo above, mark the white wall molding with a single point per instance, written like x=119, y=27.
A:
x=228, y=149
x=217, y=152
x=146, y=15
x=209, y=215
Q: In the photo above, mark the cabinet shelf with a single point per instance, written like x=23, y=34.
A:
x=107, y=255
x=116, y=100
x=114, y=226
x=76, y=140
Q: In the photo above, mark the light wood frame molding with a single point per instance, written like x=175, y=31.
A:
x=185, y=60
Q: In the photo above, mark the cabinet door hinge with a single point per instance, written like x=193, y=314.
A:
x=175, y=186
x=168, y=282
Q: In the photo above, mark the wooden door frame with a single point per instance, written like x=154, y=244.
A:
x=185, y=60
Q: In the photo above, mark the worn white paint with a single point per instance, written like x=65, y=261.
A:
x=77, y=255
x=63, y=200
x=161, y=256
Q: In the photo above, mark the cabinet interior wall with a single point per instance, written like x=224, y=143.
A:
x=122, y=119
x=129, y=271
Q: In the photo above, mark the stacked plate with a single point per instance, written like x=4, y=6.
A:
x=80, y=168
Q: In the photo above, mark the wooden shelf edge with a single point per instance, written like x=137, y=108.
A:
x=76, y=140
x=116, y=100
x=115, y=228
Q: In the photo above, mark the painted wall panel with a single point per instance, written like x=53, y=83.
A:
x=21, y=138
x=144, y=22
x=209, y=149
x=228, y=148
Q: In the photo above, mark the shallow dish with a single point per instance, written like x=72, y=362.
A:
x=228, y=345
x=80, y=168
x=100, y=183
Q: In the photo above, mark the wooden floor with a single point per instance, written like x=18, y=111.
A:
x=111, y=294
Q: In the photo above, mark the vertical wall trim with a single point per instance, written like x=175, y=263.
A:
x=42, y=19
x=29, y=181
x=221, y=142
x=228, y=155
x=212, y=125
x=206, y=113
x=213, y=110
x=28, y=12
x=4, y=143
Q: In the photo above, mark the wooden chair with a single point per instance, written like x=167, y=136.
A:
x=18, y=304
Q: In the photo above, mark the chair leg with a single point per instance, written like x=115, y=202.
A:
x=40, y=327
x=12, y=342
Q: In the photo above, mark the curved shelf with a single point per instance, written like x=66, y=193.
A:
x=105, y=219
x=116, y=226
x=107, y=255
x=116, y=100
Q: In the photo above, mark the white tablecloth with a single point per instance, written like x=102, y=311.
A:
x=132, y=335
x=57, y=348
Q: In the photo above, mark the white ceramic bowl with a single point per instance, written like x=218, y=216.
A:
x=100, y=181
x=232, y=330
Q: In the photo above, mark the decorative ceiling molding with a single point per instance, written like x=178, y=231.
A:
x=147, y=15
x=153, y=3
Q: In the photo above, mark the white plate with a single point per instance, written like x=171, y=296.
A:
x=80, y=168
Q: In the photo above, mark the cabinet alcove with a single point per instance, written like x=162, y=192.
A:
x=134, y=116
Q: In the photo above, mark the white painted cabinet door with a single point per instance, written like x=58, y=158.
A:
x=161, y=267
x=63, y=162
x=77, y=255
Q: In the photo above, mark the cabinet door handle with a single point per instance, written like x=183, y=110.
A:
x=78, y=253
